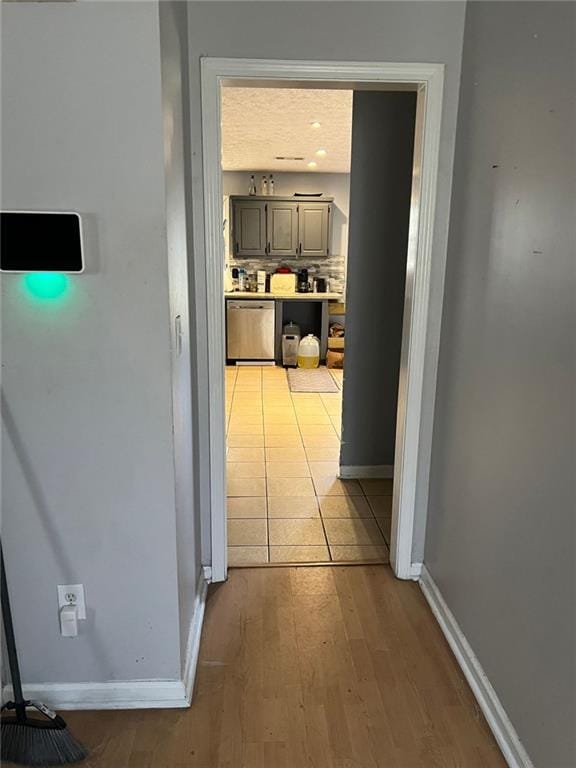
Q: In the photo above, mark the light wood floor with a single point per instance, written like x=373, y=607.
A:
x=334, y=667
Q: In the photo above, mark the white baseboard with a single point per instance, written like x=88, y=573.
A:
x=194, y=636
x=380, y=472
x=132, y=694
x=207, y=573
x=416, y=571
x=495, y=714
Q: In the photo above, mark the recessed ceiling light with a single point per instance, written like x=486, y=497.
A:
x=315, y=124
x=321, y=153
x=312, y=164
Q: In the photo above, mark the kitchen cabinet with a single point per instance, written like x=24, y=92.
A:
x=249, y=228
x=314, y=229
x=254, y=329
x=281, y=227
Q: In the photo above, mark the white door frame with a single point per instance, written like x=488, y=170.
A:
x=414, y=392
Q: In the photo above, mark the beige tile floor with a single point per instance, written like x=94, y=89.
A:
x=285, y=501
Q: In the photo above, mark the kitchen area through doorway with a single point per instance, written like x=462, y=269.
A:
x=286, y=170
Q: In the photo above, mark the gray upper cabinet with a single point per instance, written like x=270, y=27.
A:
x=314, y=229
x=281, y=227
x=249, y=224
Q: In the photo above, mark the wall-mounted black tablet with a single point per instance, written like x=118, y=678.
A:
x=40, y=242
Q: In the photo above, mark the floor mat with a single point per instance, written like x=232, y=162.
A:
x=311, y=380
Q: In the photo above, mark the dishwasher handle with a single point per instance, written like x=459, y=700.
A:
x=260, y=305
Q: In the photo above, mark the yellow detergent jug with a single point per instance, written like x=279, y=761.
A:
x=309, y=352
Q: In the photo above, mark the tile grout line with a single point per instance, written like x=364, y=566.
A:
x=231, y=406
x=265, y=463
x=265, y=498
x=266, y=470
x=364, y=494
x=324, y=410
x=310, y=470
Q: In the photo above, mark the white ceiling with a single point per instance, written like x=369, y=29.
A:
x=260, y=124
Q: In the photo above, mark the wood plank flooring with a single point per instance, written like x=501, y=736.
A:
x=333, y=667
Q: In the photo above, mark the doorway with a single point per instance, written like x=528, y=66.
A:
x=286, y=154
x=415, y=395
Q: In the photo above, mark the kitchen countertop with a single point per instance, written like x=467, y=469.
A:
x=285, y=296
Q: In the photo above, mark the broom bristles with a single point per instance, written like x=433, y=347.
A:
x=25, y=744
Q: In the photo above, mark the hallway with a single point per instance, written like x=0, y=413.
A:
x=309, y=667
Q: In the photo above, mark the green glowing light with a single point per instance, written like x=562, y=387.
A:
x=46, y=285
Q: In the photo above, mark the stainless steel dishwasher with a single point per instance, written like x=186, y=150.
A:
x=250, y=329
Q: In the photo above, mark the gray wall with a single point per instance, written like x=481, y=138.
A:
x=351, y=31
x=174, y=71
x=380, y=189
x=336, y=185
x=88, y=475
x=500, y=540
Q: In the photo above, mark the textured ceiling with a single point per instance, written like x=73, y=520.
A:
x=260, y=124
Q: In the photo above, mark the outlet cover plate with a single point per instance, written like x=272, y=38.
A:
x=65, y=590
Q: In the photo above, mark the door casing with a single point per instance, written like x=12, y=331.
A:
x=420, y=337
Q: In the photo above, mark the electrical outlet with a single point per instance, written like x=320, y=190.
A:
x=72, y=594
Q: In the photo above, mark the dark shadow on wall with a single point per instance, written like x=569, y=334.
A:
x=380, y=189
x=45, y=516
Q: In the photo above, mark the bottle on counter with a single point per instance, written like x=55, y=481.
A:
x=252, y=187
x=264, y=186
x=252, y=282
x=271, y=185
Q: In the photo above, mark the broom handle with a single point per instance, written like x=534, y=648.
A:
x=11, y=644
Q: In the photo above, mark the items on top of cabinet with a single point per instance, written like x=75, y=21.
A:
x=252, y=187
x=303, y=285
x=321, y=285
x=252, y=282
x=266, y=186
x=282, y=283
x=228, y=280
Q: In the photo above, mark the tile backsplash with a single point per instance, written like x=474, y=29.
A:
x=332, y=267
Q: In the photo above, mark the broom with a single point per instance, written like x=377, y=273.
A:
x=40, y=740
